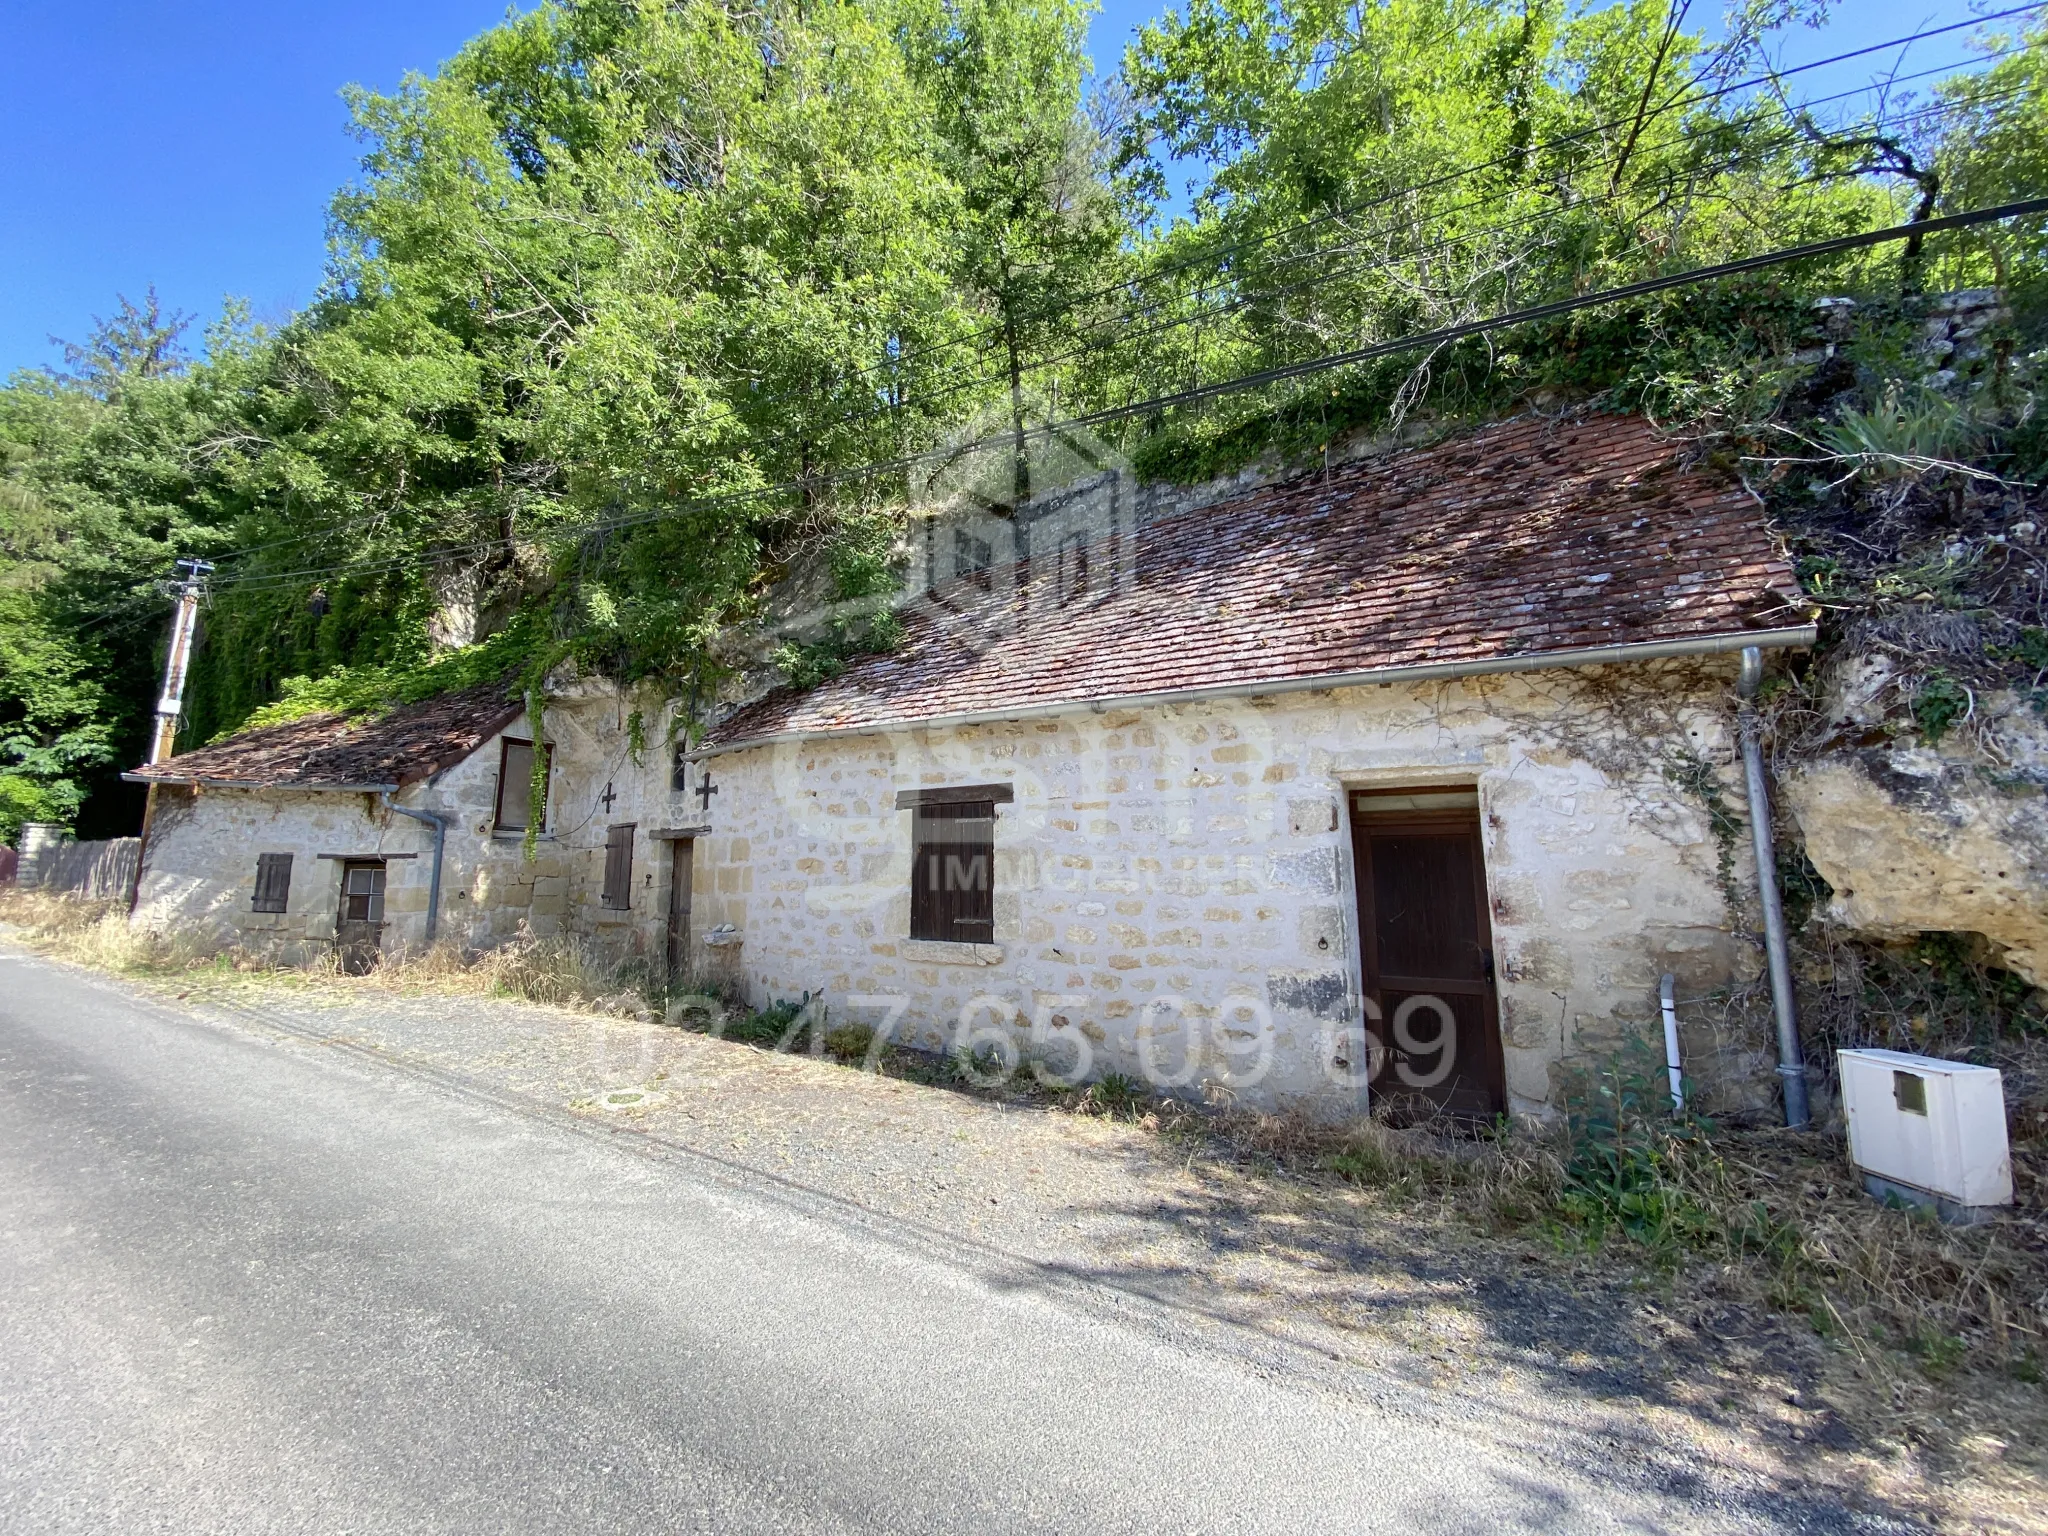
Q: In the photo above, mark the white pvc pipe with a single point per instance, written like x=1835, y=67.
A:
x=1666, y=995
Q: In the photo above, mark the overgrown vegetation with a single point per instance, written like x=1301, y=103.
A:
x=1941, y=994
x=629, y=301
x=807, y=663
x=1636, y=1168
x=506, y=657
x=1764, y=1217
x=1698, y=778
x=1772, y=1218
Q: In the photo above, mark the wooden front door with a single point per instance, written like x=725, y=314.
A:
x=1428, y=953
x=359, y=926
x=681, y=860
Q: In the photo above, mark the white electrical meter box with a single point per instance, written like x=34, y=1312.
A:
x=1928, y=1131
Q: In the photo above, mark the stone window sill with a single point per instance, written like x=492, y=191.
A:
x=501, y=836
x=945, y=952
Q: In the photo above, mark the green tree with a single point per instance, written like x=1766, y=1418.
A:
x=1367, y=172
x=141, y=342
x=647, y=265
x=1995, y=150
x=1040, y=230
x=105, y=477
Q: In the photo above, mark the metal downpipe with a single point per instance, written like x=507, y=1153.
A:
x=1791, y=1059
x=440, y=826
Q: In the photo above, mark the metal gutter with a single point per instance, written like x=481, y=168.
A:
x=1536, y=661
x=198, y=783
x=440, y=826
x=1791, y=1057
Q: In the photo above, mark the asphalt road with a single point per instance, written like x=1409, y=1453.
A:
x=252, y=1284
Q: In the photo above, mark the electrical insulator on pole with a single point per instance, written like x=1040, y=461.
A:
x=188, y=590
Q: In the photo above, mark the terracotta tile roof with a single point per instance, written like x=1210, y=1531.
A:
x=1529, y=537
x=414, y=741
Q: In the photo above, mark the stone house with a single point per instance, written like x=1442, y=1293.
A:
x=1403, y=776
x=1401, y=772
x=320, y=833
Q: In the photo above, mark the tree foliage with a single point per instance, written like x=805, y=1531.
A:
x=635, y=302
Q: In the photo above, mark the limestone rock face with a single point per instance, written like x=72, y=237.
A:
x=1918, y=839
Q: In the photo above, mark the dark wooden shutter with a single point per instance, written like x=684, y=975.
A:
x=618, y=867
x=273, y=881
x=952, y=893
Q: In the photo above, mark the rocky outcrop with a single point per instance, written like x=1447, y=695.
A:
x=1917, y=838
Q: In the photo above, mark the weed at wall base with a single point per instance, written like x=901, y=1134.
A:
x=98, y=934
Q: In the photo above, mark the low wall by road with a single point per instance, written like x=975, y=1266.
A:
x=102, y=871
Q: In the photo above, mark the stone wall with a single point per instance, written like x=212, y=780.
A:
x=39, y=839
x=200, y=864
x=1931, y=839
x=1202, y=853
x=587, y=726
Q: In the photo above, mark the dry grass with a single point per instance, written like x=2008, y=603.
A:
x=96, y=933
x=1928, y=1315
x=1933, y=1338
x=1940, y=1333
x=1782, y=1211
x=557, y=972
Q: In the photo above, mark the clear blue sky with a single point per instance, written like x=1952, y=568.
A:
x=195, y=143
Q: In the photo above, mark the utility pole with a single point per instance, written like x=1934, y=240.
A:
x=188, y=590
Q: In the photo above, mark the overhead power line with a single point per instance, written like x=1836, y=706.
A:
x=1436, y=338
x=1122, y=330
x=1153, y=405
x=1449, y=178
x=1214, y=254
x=726, y=412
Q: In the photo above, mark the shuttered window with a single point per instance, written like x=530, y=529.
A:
x=273, y=881
x=515, y=786
x=618, y=867
x=952, y=891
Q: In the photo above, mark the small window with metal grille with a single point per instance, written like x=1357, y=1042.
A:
x=618, y=867
x=273, y=882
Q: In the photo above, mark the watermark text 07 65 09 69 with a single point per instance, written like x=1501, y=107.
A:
x=1176, y=1042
